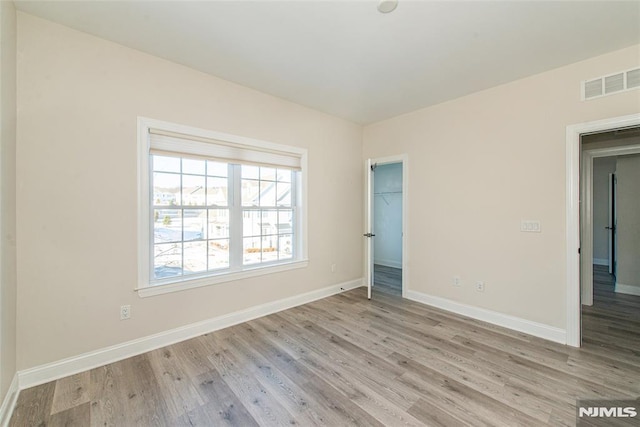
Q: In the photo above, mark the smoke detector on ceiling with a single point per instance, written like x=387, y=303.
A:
x=386, y=6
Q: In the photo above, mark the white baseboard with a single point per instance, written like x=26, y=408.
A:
x=9, y=402
x=73, y=365
x=388, y=263
x=518, y=324
x=627, y=289
x=601, y=261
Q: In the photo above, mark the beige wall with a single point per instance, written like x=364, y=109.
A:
x=481, y=163
x=7, y=195
x=79, y=97
x=478, y=165
x=628, y=215
x=602, y=167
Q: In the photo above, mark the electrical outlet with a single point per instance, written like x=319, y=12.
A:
x=333, y=268
x=125, y=312
x=480, y=286
x=456, y=281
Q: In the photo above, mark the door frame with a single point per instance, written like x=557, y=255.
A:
x=586, y=268
x=612, y=223
x=399, y=158
x=572, y=200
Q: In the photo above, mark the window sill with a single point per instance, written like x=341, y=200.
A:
x=151, y=290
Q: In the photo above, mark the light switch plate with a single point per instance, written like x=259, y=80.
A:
x=530, y=226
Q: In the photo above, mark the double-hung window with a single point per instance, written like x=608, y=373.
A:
x=215, y=207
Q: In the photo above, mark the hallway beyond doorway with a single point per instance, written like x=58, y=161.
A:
x=611, y=326
x=387, y=280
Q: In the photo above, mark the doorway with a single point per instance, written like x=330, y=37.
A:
x=579, y=238
x=601, y=153
x=610, y=314
x=386, y=224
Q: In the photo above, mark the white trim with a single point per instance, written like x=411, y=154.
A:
x=368, y=243
x=144, y=285
x=572, y=181
x=600, y=261
x=222, y=278
x=539, y=330
x=388, y=263
x=404, y=159
x=586, y=232
x=73, y=365
x=627, y=289
x=9, y=402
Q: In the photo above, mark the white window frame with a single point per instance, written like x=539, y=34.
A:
x=146, y=287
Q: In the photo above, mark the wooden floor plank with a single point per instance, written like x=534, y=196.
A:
x=345, y=360
x=71, y=392
x=223, y=407
x=33, y=407
x=177, y=390
x=76, y=416
x=262, y=404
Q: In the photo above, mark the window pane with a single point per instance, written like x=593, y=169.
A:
x=167, y=260
x=217, y=191
x=193, y=193
x=193, y=166
x=218, y=254
x=284, y=194
x=166, y=189
x=267, y=193
x=269, y=248
x=217, y=168
x=218, y=223
x=194, y=224
x=285, y=221
x=165, y=164
x=251, y=221
x=269, y=222
x=167, y=225
x=195, y=257
x=250, y=192
x=285, y=247
x=267, y=174
x=251, y=250
x=250, y=172
x=284, y=175
x=193, y=205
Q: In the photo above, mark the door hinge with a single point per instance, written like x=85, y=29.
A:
x=368, y=235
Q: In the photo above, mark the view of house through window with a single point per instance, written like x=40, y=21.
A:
x=267, y=214
x=210, y=216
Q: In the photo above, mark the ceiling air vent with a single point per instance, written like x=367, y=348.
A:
x=610, y=84
x=633, y=79
x=593, y=88
x=614, y=83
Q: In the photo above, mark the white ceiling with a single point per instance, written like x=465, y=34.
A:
x=347, y=59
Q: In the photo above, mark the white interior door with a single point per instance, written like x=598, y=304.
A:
x=369, y=228
x=611, y=227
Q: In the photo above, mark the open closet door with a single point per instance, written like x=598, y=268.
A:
x=369, y=227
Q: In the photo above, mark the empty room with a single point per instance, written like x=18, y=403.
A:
x=319, y=213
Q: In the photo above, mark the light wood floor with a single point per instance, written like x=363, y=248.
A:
x=387, y=280
x=613, y=322
x=345, y=360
